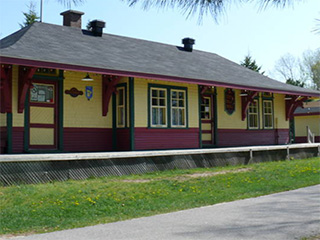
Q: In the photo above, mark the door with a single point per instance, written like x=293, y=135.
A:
x=43, y=115
x=207, y=123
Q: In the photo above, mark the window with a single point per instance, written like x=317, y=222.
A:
x=205, y=108
x=178, y=108
x=121, y=107
x=267, y=114
x=42, y=93
x=158, y=107
x=168, y=106
x=253, y=115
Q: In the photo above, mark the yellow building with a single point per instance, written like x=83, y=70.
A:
x=65, y=89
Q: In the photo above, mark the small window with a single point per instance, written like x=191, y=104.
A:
x=178, y=108
x=253, y=115
x=121, y=107
x=267, y=114
x=158, y=107
x=206, y=108
x=42, y=93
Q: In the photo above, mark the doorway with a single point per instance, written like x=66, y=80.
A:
x=207, y=121
x=43, y=115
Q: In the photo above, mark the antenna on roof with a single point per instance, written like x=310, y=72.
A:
x=41, y=10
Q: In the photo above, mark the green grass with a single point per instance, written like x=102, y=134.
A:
x=70, y=204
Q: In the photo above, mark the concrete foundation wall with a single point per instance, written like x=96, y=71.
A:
x=17, y=169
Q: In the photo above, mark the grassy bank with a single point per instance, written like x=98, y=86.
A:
x=70, y=204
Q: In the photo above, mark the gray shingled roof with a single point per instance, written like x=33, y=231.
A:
x=308, y=110
x=66, y=45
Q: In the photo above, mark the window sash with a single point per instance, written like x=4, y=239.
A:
x=253, y=115
x=121, y=107
x=158, y=107
x=178, y=108
x=206, y=108
x=267, y=114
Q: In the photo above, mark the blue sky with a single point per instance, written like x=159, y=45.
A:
x=265, y=34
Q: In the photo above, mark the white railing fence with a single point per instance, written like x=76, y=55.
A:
x=310, y=135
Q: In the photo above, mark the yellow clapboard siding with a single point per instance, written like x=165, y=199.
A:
x=206, y=126
x=226, y=121
x=280, y=111
x=3, y=119
x=81, y=112
x=43, y=115
x=206, y=137
x=301, y=123
x=41, y=136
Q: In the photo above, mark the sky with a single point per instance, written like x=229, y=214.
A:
x=265, y=34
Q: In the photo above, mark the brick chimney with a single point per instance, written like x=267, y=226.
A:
x=72, y=18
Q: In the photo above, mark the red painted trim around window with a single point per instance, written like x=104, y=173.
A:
x=34, y=63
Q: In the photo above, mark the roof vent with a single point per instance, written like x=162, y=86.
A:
x=97, y=27
x=188, y=44
x=72, y=18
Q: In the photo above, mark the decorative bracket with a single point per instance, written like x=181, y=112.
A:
x=292, y=102
x=246, y=101
x=25, y=78
x=5, y=89
x=108, y=87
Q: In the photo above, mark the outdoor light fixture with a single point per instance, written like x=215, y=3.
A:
x=87, y=78
x=243, y=94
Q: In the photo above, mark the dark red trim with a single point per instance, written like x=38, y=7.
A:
x=42, y=125
x=243, y=137
x=3, y=139
x=108, y=87
x=34, y=63
x=206, y=131
x=207, y=142
x=25, y=78
x=206, y=121
x=307, y=114
x=245, y=102
x=17, y=139
x=6, y=89
x=123, y=139
x=87, y=139
x=148, y=138
x=305, y=140
x=293, y=104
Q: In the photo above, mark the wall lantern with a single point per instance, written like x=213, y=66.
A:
x=87, y=78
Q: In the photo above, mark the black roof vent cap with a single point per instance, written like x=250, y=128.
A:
x=188, y=44
x=97, y=27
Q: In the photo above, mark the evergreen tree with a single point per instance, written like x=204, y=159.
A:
x=295, y=82
x=30, y=16
x=251, y=64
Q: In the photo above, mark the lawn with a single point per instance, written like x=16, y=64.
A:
x=62, y=205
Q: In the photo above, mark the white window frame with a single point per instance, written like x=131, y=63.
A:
x=165, y=107
x=252, y=113
x=121, y=107
x=178, y=107
x=269, y=114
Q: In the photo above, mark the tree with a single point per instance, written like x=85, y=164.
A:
x=30, y=16
x=213, y=7
x=310, y=67
x=295, y=82
x=304, y=71
x=251, y=64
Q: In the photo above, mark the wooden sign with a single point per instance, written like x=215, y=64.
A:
x=229, y=100
x=73, y=92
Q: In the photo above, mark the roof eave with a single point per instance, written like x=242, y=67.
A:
x=70, y=67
